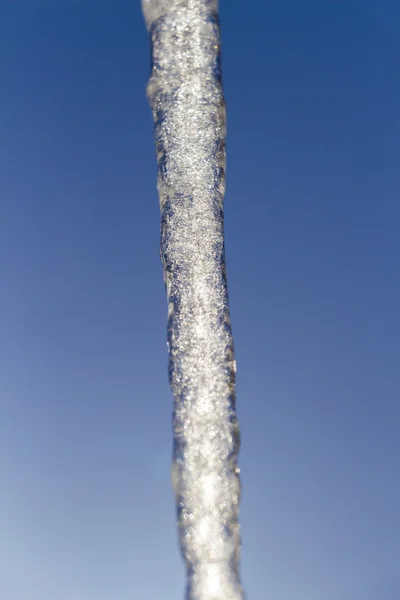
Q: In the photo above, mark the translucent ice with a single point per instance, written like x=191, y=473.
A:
x=186, y=97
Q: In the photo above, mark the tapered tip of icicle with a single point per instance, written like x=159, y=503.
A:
x=153, y=9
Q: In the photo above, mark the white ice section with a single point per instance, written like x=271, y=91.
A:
x=153, y=9
x=186, y=97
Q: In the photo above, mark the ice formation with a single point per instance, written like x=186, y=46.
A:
x=186, y=96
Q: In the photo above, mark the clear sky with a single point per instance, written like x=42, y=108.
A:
x=313, y=250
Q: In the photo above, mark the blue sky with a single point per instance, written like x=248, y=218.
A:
x=312, y=214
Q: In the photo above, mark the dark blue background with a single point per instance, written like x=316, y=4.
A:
x=312, y=233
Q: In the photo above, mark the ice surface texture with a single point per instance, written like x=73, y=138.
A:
x=186, y=97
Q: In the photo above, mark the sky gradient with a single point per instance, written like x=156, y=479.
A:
x=313, y=252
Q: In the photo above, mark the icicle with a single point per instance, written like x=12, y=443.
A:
x=186, y=97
